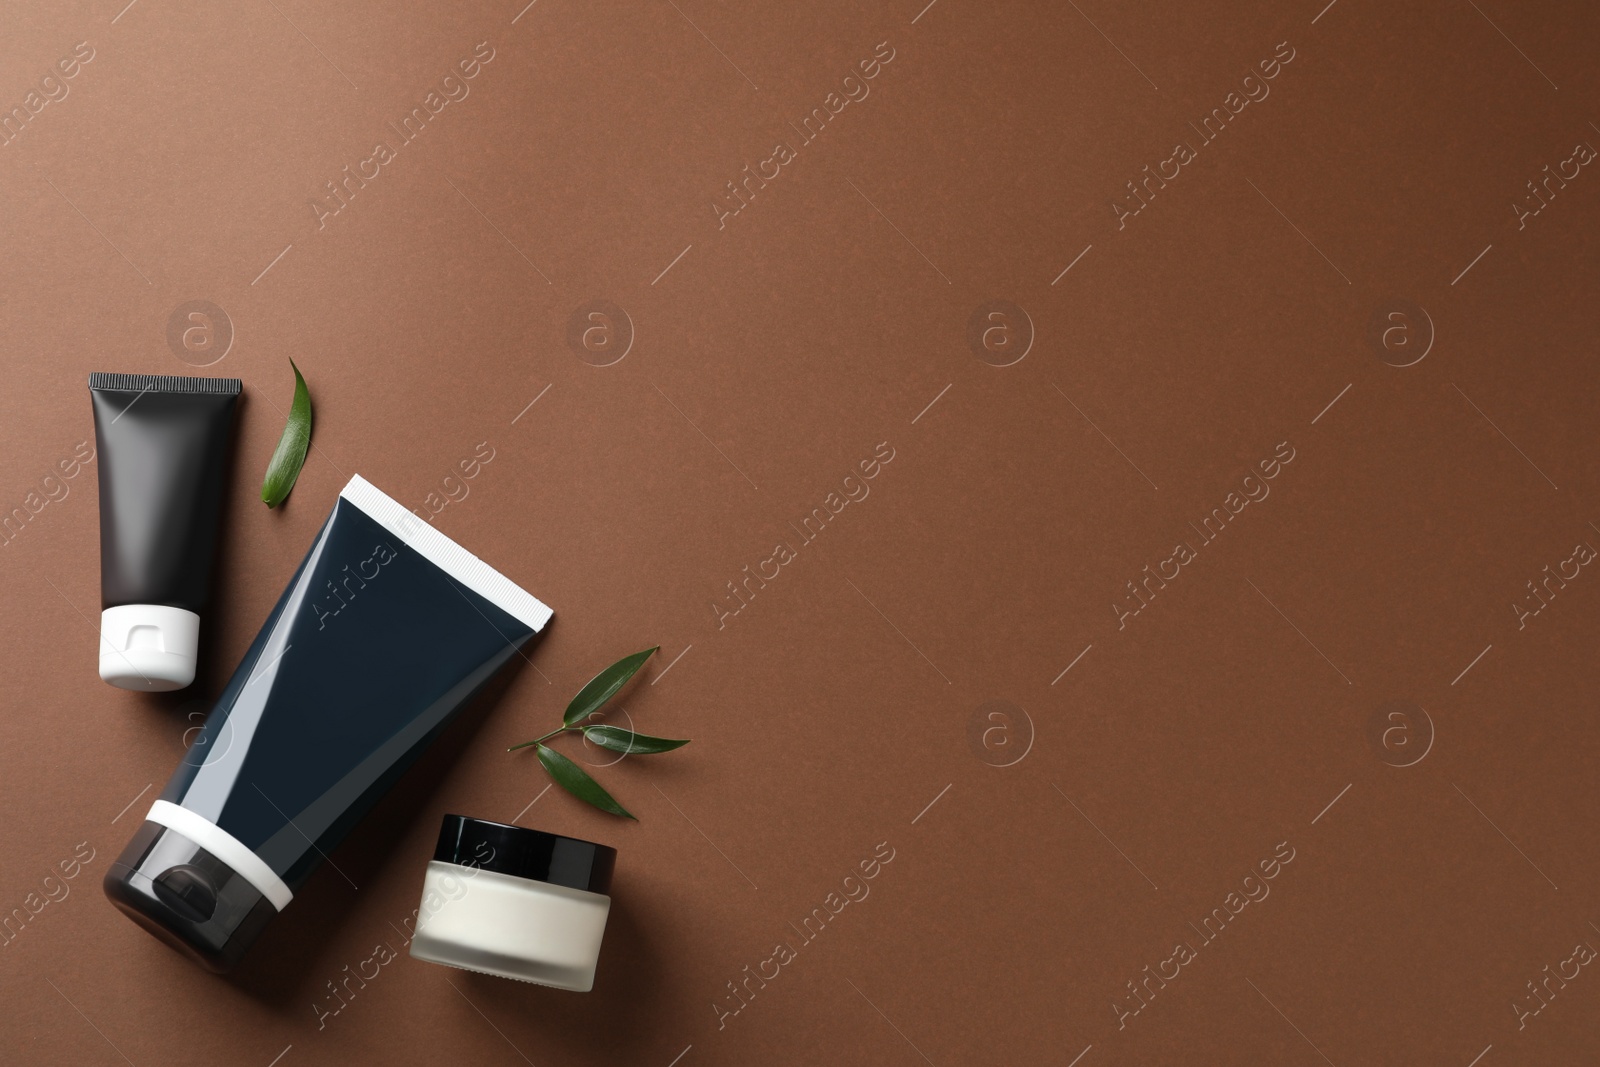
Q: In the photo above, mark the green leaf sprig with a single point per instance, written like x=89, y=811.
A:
x=590, y=699
x=290, y=455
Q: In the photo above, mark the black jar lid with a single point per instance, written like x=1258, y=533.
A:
x=525, y=853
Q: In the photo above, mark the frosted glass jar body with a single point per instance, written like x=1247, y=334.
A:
x=513, y=927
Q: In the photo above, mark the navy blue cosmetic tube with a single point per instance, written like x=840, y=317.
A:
x=386, y=630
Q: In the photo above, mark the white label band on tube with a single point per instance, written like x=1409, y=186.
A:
x=438, y=549
x=223, y=845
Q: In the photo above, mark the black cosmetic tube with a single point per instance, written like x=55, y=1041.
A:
x=163, y=444
x=386, y=630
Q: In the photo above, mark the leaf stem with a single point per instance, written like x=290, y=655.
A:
x=546, y=737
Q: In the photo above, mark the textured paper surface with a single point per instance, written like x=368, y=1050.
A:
x=1016, y=659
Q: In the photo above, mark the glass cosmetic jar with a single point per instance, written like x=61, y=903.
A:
x=514, y=902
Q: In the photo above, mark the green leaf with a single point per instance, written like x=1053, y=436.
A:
x=627, y=742
x=603, y=686
x=573, y=779
x=290, y=455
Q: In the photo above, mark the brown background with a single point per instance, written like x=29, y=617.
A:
x=830, y=713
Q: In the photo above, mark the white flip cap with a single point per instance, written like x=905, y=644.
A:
x=148, y=647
